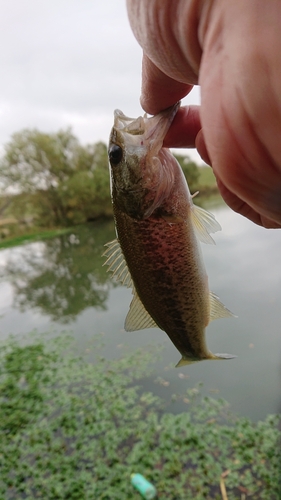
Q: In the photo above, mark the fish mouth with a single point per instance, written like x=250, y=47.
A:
x=142, y=181
x=144, y=131
x=133, y=126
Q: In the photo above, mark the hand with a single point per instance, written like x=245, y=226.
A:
x=233, y=51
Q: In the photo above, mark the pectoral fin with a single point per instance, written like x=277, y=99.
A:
x=204, y=223
x=117, y=264
x=138, y=317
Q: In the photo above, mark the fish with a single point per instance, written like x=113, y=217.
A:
x=157, y=251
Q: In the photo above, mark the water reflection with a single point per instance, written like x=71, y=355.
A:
x=62, y=280
x=63, y=276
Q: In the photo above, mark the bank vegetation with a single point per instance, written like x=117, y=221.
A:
x=50, y=180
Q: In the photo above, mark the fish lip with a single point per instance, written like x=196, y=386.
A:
x=150, y=130
x=123, y=123
x=159, y=124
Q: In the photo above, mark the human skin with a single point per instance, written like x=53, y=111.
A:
x=232, y=49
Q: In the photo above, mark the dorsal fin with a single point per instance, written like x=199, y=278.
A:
x=204, y=223
x=217, y=309
x=117, y=264
x=138, y=317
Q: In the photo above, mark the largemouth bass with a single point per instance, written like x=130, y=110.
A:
x=157, y=251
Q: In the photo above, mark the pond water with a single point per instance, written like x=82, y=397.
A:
x=60, y=284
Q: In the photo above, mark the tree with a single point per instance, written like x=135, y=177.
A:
x=60, y=181
x=86, y=195
x=190, y=170
x=67, y=183
x=34, y=160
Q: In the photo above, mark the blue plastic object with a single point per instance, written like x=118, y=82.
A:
x=144, y=487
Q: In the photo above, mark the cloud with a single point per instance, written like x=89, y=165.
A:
x=65, y=62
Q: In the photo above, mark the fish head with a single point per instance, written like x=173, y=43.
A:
x=140, y=176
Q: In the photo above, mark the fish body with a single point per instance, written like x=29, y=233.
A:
x=157, y=251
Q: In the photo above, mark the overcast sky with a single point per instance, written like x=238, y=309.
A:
x=68, y=63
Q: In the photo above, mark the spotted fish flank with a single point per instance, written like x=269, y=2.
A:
x=157, y=251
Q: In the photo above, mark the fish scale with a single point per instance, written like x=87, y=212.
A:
x=166, y=279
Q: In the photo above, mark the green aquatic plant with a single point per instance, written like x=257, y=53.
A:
x=75, y=426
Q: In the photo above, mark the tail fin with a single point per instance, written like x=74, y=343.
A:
x=183, y=361
x=224, y=356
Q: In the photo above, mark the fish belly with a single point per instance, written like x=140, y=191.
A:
x=166, y=266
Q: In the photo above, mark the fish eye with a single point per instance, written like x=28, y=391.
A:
x=115, y=154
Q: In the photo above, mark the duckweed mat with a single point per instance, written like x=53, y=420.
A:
x=75, y=425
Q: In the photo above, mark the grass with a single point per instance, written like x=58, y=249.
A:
x=32, y=236
x=75, y=426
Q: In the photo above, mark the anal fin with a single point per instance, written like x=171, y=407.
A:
x=217, y=309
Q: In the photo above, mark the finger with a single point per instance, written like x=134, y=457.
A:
x=201, y=147
x=184, y=129
x=244, y=209
x=231, y=199
x=159, y=91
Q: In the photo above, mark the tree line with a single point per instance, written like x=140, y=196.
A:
x=57, y=181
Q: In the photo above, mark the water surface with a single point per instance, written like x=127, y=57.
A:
x=61, y=284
